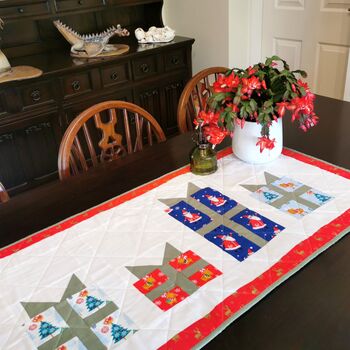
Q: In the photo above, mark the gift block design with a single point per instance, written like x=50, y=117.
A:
x=82, y=319
x=288, y=195
x=179, y=276
x=229, y=225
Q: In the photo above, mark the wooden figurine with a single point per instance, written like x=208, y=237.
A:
x=8, y=73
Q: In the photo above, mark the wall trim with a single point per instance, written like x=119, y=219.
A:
x=347, y=81
x=255, y=30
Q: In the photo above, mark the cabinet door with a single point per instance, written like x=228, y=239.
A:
x=150, y=100
x=171, y=93
x=11, y=169
x=28, y=155
x=161, y=102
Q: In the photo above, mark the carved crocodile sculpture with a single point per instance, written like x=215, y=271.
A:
x=90, y=45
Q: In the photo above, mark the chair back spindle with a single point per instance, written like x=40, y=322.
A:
x=195, y=96
x=105, y=132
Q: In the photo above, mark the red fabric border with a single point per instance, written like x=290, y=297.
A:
x=316, y=162
x=202, y=328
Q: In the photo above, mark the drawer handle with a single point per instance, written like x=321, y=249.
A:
x=35, y=95
x=20, y=10
x=76, y=85
x=175, y=61
x=114, y=76
x=81, y=2
x=144, y=68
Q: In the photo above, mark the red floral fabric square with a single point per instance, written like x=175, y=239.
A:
x=184, y=260
x=205, y=275
x=151, y=281
x=168, y=299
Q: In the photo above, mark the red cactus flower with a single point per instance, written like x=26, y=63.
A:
x=214, y=134
x=265, y=142
x=303, y=85
x=250, y=84
x=251, y=70
x=226, y=84
x=282, y=108
x=205, y=118
x=234, y=107
x=240, y=122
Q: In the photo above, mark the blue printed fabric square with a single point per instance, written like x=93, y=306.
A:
x=189, y=216
x=264, y=194
x=296, y=209
x=114, y=329
x=46, y=325
x=258, y=224
x=287, y=184
x=231, y=242
x=316, y=197
x=214, y=200
x=87, y=301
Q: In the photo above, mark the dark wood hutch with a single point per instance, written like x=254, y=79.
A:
x=34, y=113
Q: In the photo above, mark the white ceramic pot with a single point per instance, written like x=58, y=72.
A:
x=244, y=142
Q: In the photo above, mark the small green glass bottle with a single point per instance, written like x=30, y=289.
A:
x=203, y=159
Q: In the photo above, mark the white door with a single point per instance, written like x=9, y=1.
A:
x=313, y=35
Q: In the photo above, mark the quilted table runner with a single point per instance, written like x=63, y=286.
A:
x=170, y=264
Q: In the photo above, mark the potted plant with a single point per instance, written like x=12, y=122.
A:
x=249, y=105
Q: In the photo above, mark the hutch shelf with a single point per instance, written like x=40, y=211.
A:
x=34, y=113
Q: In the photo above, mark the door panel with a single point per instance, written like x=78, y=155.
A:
x=311, y=35
x=331, y=56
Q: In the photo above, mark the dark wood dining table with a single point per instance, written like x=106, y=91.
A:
x=310, y=311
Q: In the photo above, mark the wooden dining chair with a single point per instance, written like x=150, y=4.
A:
x=4, y=197
x=195, y=95
x=105, y=132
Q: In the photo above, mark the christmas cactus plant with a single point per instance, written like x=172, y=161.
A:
x=262, y=94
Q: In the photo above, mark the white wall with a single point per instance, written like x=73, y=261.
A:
x=227, y=32
x=207, y=21
x=238, y=33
